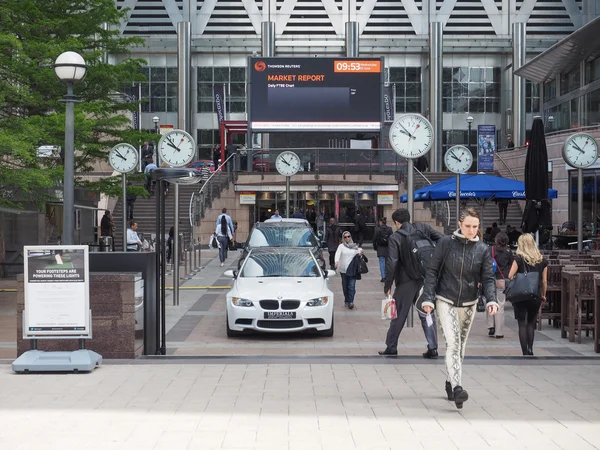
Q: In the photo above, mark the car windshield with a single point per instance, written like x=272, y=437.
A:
x=280, y=236
x=260, y=265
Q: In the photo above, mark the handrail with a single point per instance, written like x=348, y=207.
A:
x=506, y=165
x=217, y=171
x=447, y=204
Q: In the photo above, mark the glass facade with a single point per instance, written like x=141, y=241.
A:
x=159, y=91
x=407, y=82
x=471, y=89
x=234, y=80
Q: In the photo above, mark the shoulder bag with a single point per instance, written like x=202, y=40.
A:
x=524, y=286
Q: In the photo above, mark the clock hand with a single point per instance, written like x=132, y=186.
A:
x=120, y=156
x=285, y=162
x=173, y=145
x=405, y=130
x=455, y=157
x=416, y=128
x=578, y=148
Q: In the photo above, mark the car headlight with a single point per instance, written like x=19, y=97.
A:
x=321, y=301
x=237, y=301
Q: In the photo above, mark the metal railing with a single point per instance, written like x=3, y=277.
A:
x=439, y=209
x=318, y=161
x=512, y=174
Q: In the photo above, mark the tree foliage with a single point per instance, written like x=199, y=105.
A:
x=32, y=34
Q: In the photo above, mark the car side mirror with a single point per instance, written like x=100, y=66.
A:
x=230, y=273
x=330, y=273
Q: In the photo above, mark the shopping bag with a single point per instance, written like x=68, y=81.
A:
x=388, y=309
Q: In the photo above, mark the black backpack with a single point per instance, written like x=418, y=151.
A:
x=384, y=236
x=421, y=249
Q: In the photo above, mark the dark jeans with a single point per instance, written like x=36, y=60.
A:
x=503, y=210
x=430, y=332
x=405, y=294
x=224, y=241
x=332, y=259
x=130, y=210
x=349, y=288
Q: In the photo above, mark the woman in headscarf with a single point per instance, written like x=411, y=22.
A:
x=344, y=255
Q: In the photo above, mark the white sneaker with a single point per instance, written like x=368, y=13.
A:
x=222, y=264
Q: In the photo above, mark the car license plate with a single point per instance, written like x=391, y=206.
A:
x=275, y=315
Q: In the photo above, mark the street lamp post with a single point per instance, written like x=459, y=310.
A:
x=469, y=122
x=70, y=68
x=551, y=123
x=156, y=121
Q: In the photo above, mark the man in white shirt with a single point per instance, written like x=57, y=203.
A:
x=276, y=215
x=133, y=240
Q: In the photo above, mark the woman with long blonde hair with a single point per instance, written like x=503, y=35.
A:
x=529, y=259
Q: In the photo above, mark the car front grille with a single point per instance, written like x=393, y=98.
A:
x=279, y=324
x=290, y=304
x=269, y=304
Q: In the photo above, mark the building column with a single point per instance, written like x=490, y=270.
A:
x=436, y=45
x=518, y=103
x=352, y=38
x=184, y=67
x=267, y=46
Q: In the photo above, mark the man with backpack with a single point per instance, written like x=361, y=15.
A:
x=409, y=251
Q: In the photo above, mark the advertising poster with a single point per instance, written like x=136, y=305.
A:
x=486, y=147
x=57, y=294
x=220, y=101
x=388, y=104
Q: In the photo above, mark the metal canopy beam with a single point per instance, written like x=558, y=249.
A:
x=565, y=55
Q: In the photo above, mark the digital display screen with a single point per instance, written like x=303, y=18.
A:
x=315, y=94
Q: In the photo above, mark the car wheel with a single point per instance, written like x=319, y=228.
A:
x=230, y=332
x=329, y=331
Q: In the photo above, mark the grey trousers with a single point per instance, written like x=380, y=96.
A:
x=456, y=324
x=404, y=294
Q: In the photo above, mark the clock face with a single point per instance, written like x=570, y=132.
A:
x=287, y=163
x=177, y=148
x=458, y=159
x=580, y=150
x=411, y=136
x=123, y=158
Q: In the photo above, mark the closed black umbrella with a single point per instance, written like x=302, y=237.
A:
x=537, y=215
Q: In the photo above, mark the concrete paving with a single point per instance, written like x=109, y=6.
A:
x=374, y=405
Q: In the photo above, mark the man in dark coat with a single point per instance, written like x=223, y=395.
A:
x=333, y=238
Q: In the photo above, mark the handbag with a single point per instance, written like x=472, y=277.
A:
x=480, y=303
x=524, y=286
x=388, y=309
x=232, y=245
x=363, y=265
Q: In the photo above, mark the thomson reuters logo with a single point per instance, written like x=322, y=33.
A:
x=260, y=66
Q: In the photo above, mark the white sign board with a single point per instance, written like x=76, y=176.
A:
x=57, y=292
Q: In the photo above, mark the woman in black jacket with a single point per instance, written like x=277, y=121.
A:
x=504, y=259
x=380, y=244
x=460, y=263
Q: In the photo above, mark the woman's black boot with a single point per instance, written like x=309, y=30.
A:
x=460, y=396
x=449, y=391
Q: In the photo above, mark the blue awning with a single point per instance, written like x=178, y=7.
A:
x=474, y=187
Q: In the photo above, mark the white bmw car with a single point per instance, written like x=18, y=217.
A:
x=280, y=289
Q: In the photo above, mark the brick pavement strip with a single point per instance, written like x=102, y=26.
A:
x=170, y=405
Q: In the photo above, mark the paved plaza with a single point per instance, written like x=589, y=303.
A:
x=304, y=392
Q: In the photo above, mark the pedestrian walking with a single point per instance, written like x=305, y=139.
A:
x=149, y=183
x=344, y=257
x=529, y=259
x=360, y=227
x=131, y=198
x=297, y=214
x=333, y=238
x=409, y=251
x=276, y=215
x=380, y=244
x=502, y=209
x=460, y=263
x=503, y=258
x=107, y=224
x=224, y=234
